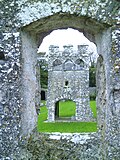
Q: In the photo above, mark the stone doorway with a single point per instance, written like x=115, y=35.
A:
x=65, y=110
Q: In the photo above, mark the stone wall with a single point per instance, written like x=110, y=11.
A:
x=62, y=146
x=23, y=25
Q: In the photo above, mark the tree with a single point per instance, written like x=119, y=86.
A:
x=43, y=77
x=92, y=76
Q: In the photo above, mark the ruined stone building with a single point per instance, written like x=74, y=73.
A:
x=68, y=79
x=23, y=25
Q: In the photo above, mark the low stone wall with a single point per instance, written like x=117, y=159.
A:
x=57, y=146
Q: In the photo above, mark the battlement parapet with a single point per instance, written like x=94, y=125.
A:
x=68, y=50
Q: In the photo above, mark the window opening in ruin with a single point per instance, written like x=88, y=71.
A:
x=43, y=76
x=43, y=95
x=57, y=62
x=43, y=81
x=92, y=81
x=2, y=55
x=80, y=62
x=66, y=83
x=57, y=65
x=66, y=65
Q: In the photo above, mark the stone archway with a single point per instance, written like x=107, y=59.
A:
x=32, y=36
x=61, y=105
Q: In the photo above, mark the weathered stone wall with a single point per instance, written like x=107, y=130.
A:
x=62, y=146
x=10, y=84
x=32, y=20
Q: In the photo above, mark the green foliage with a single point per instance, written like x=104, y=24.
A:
x=92, y=76
x=93, y=108
x=68, y=127
x=43, y=78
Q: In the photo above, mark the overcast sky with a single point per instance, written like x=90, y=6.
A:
x=66, y=36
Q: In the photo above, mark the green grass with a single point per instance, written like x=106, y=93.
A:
x=93, y=108
x=66, y=109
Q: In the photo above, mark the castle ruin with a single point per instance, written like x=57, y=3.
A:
x=68, y=79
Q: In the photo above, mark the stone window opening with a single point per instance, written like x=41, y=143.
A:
x=2, y=55
x=57, y=62
x=20, y=89
x=66, y=83
x=79, y=64
x=68, y=65
x=43, y=97
x=57, y=65
x=92, y=81
x=26, y=38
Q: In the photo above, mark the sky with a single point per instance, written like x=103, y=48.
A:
x=66, y=36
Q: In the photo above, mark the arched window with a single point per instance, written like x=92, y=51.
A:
x=79, y=64
x=57, y=62
x=57, y=65
x=2, y=56
x=68, y=65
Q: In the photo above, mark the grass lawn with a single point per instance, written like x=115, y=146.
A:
x=67, y=108
x=66, y=127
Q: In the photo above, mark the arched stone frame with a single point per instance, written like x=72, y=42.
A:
x=97, y=33
x=57, y=64
x=22, y=14
x=29, y=82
